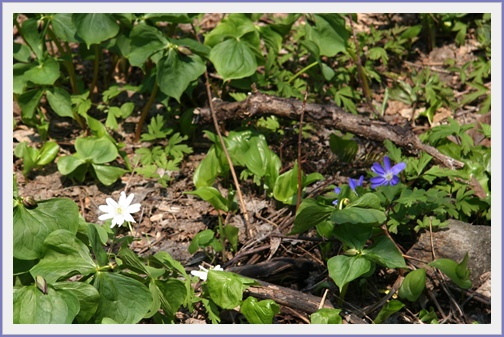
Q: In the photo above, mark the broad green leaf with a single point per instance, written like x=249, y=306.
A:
x=286, y=186
x=385, y=253
x=32, y=36
x=122, y=298
x=87, y=295
x=413, y=285
x=172, y=294
x=131, y=260
x=202, y=239
x=309, y=215
x=354, y=236
x=22, y=53
x=60, y=101
x=28, y=102
x=145, y=41
x=449, y=267
x=170, y=262
x=66, y=256
x=368, y=200
x=272, y=39
x=176, y=71
x=231, y=234
x=345, y=149
x=32, y=226
x=20, y=82
x=96, y=150
x=326, y=316
x=97, y=242
x=235, y=25
x=107, y=174
x=213, y=196
x=156, y=300
x=329, y=32
x=94, y=28
x=225, y=289
x=45, y=73
x=68, y=164
x=64, y=27
x=357, y=215
x=233, y=59
x=388, y=309
x=48, y=153
x=344, y=269
x=259, y=312
x=31, y=306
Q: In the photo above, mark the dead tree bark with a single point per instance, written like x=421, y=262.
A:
x=329, y=115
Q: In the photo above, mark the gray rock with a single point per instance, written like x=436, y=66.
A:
x=454, y=242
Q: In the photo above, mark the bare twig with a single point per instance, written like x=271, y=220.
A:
x=300, y=138
x=145, y=111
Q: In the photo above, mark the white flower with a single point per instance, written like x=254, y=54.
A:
x=119, y=211
x=203, y=273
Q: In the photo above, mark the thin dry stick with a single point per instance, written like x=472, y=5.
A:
x=300, y=138
x=226, y=153
x=322, y=300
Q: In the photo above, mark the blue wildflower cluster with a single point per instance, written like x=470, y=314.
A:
x=386, y=175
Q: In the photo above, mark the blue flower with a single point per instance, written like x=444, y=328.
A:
x=337, y=190
x=386, y=175
x=353, y=184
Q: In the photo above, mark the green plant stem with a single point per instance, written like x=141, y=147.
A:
x=145, y=112
x=96, y=69
x=299, y=73
x=221, y=238
x=343, y=294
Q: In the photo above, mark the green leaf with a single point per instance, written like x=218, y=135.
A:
x=108, y=175
x=48, y=153
x=329, y=32
x=385, y=253
x=176, y=71
x=97, y=244
x=170, y=262
x=326, y=316
x=354, y=236
x=96, y=150
x=131, y=260
x=344, y=269
x=64, y=27
x=286, y=186
x=259, y=312
x=87, y=295
x=202, y=239
x=309, y=215
x=69, y=164
x=172, y=294
x=22, y=53
x=45, y=73
x=449, y=267
x=60, y=101
x=28, y=102
x=145, y=41
x=368, y=200
x=413, y=285
x=95, y=28
x=388, y=309
x=231, y=234
x=213, y=196
x=345, y=149
x=357, y=215
x=123, y=299
x=31, y=306
x=235, y=25
x=225, y=289
x=32, y=36
x=233, y=59
x=32, y=226
x=65, y=257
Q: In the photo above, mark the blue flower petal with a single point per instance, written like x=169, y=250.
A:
x=378, y=181
x=335, y=202
x=352, y=184
x=386, y=163
x=361, y=180
x=378, y=169
x=398, y=168
x=337, y=190
x=394, y=180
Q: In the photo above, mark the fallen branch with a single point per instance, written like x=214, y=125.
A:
x=329, y=115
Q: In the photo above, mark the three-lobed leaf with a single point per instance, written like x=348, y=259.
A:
x=259, y=312
x=344, y=269
x=413, y=285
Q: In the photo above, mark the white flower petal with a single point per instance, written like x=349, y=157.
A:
x=111, y=202
x=106, y=216
x=201, y=274
x=128, y=217
x=132, y=208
